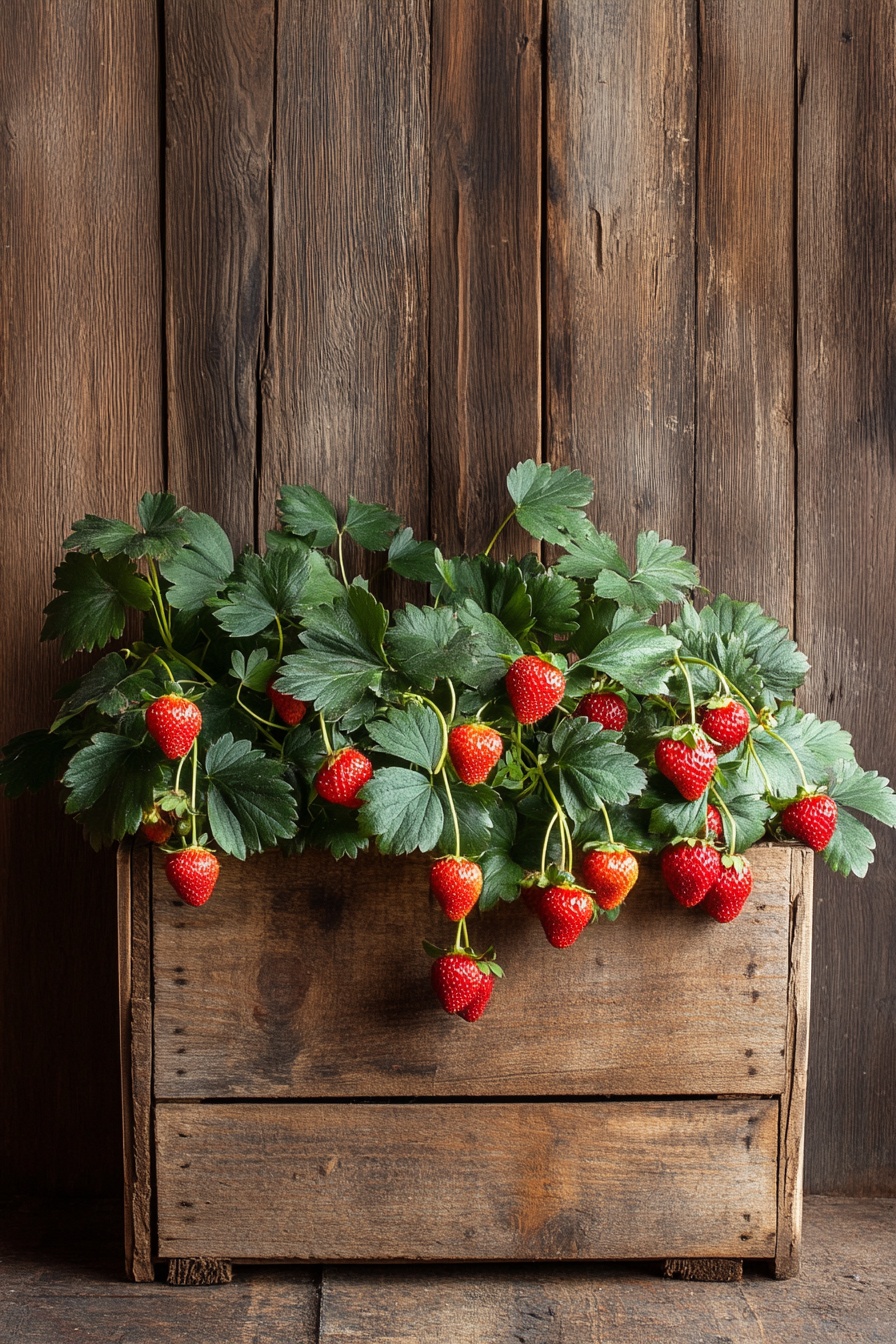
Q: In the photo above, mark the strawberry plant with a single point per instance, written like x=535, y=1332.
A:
x=529, y=725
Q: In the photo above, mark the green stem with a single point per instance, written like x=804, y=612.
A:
x=687, y=676
x=488, y=548
x=607, y=824
x=732, y=843
x=266, y=724
x=164, y=625
x=453, y=816
x=799, y=765
x=323, y=728
x=279, y=637
x=423, y=699
x=159, y=659
x=342, y=561
x=193, y=787
x=453, y=708
x=754, y=753
x=180, y=766
x=547, y=836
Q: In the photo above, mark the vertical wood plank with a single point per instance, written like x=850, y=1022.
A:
x=744, y=495
x=620, y=293
x=81, y=426
x=485, y=224
x=135, y=1033
x=219, y=82
x=792, y=1113
x=846, y=558
x=346, y=407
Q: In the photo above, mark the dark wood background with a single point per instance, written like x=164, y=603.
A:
x=393, y=246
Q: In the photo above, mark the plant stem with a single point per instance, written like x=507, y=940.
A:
x=547, y=836
x=453, y=708
x=607, y=824
x=342, y=562
x=180, y=766
x=453, y=815
x=193, y=787
x=488, y=548
x=323, y=728
x=159, y=659
x=732, y=843
x=778, y=738
x=754, y=753
x=687, y=676
x=266, y=724
x=279, y=637
x=164, y=625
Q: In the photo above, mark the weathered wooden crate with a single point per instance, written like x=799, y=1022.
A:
x=292, y=1092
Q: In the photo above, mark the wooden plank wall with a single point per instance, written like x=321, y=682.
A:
x=391, y=248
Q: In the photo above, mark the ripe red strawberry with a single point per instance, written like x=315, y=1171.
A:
x=728, y=894
x=812, y=819
x=291, y=710
x=456, y=884
x=535, y=688
x=474, y=749
x=606, y=708
x=193, y=873
x=457, y=981
x=726, y=722
x=689, y=768
x=156, y=827
x=611, y=874
x=564, y=912
x=714, y=822
x=690, y=870
x=477, y=1005
x=174, y=723
x=340, y=779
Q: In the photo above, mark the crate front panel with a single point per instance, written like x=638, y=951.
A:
x=478, y=1181
x=304, y=977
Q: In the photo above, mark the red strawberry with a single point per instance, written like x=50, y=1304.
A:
x=611, y=874
x=156, y=827
x=340, y=779
x=456, y=884
x=174, y=723
x=564, y=913
x=535, y=688
x=690, y=870
x=474, y=749
x=728, y=894
x=291, y=710
x=714, y=822
x=689, y=768
x=812, y=819
x=606, y=708
x=193, y=873
x=457, y=981
x=726, y=722
x=477, y=1006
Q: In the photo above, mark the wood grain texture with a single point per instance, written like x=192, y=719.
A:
x=577, y=1180
x=791, y=1139
x=485, y=269
x=846, y=557
x=622, y=92
x=135, y=1027
x=219, y=82
x=271, y=991
x=744, y=487
x=81, y=426
x=346, y=404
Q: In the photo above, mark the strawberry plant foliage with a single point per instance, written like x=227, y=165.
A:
x=303, y=678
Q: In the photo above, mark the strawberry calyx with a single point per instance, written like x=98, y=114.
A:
x=691, y=734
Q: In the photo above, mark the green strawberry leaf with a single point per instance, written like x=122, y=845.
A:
x=865, y=790
x=660, y=574
x=851, y=847
x=594, y=767
x=254, y=671
x=282, y=584
x=412, y=734
x=250, y=804
x=670, y=814
x=93, y=687
x=550, y=500
x=495, y=587
x=501, y=878
x=202, y=568
x=31, y=761
x=221, y=714
x=496, y=647
x=555, y=603
x=94, y=597
x=637, y=656
x=750, y=811
x=162, y=536
x=402, y=809
x=763, y=661
x=110, y=783
x=307, y=514
x=332, y=828
x=474, y=807
x=414, y=559
x=370, y=525
x=426, y=644
x=628, y=824
x=343, y=654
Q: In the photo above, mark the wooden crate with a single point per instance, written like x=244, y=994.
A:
x=293, y=1092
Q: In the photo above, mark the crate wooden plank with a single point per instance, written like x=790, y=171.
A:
x=547, y=1181
x=306, y=978
x=135, y=1028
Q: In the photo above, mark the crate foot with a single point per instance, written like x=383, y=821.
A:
x=705, y=1270
x=200, y=1271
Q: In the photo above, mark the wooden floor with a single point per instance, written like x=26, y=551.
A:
x=61, y=1283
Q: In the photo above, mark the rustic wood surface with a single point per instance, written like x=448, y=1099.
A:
x=254, y=227
x=135, y=1024
x=81, y=428
x=846, y=552
x=546, y=1181
x=791, y=1140
x=485, y=283
x=62, y=1281
x=267, y=991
